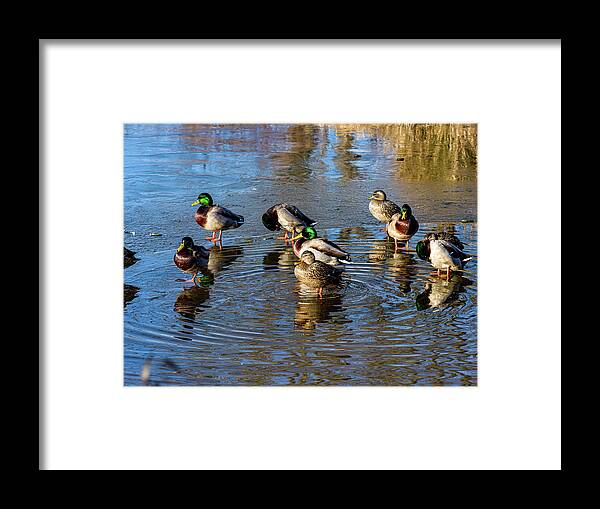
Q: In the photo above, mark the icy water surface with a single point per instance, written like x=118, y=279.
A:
x=390, y=322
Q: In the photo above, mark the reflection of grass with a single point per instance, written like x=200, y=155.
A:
x=418, y=151
x=423, y=151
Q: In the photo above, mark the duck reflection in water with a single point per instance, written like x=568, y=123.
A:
x=403, y=267
x=345, y=157
x=221, y=258
x=312, y=309
x=281, y=258
x=439, y=292
x=189, y=301
x=351, y=233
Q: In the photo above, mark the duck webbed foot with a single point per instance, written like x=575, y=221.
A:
x=193, y=280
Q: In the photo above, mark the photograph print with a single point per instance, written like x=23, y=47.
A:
x=300, y=254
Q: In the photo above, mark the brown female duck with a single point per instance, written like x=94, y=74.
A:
x=316, y=274
x=381, y=208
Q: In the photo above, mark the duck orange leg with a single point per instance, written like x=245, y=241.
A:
x=285, y=237
x=213, y=236
x=193, y=280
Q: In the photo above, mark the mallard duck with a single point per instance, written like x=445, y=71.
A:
x=402, y=226
x=286, y=217
x=450, y=237
x=441, y=254
x=381, y=208
x=323, y=250
x=214, y=217
x=447, y=236
x=315, y=274
x=190, y=258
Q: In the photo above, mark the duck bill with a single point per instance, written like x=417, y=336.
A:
x=197, y=202
x=181, y=246
x=296, y=237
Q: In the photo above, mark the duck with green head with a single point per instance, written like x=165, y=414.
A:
x=442, y=254
x=316, y=274
x=402, y=226
x=191, y=258
x=285, y=217
x=214, y=217
x=323, y=250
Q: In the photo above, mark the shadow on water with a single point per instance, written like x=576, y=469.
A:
x=129, y=293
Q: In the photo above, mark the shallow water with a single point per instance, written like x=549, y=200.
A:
x=390, y=322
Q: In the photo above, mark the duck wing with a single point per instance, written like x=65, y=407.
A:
x=453, y=239
x=323, y=271
x=299, y=215
x=227, y=215
x=287, y=218
x=201, y=253
x=327, y=247
x=389, y=208
x=453, y=250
